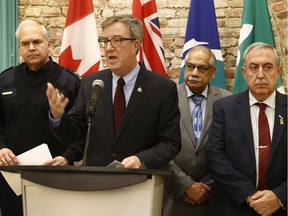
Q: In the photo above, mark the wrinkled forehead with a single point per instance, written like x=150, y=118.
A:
x=261, y=56
x=199, y=56
x=115, y=29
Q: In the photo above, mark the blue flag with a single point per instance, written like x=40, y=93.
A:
x=202, y=30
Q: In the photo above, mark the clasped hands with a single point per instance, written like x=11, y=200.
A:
x=198, y=193
x=265, y=202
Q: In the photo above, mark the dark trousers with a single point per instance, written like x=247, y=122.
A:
x=10, y=204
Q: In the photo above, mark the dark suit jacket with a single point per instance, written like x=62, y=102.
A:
x=189, y=166
x=231, y=156
x=149, y=129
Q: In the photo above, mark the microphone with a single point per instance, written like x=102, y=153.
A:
x=97, y=86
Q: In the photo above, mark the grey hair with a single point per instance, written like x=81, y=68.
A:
x=260, y=46
x=135, y=25
x=30, y=22
x=212, y=60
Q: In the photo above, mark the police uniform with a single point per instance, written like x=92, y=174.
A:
x=24, y=112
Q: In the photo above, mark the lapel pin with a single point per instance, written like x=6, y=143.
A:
x=139, y=89
x=281, y=120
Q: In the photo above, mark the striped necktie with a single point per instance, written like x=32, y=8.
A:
x=197, y=116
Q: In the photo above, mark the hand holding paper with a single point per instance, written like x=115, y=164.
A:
x=35, y=156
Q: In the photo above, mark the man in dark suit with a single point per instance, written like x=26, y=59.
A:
x=188, y=189
x=233, y=152
x=149, y=133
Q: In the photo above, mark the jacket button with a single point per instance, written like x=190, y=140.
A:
x=114, y=154
x=196, y=154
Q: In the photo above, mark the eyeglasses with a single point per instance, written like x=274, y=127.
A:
x=267, y=68
x=200, y=68
x=115, y=42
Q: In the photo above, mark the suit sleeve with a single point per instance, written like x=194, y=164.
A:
x=178, y=183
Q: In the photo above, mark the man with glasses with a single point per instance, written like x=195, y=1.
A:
x=147, y=134
x=247, y=145
x=188, y=190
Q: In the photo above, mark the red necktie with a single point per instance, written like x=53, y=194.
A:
x=119, y=105
x=264, y=147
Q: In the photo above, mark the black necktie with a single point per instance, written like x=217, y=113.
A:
x=119, y=105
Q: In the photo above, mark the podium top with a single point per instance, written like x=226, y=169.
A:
x=84, y=178
x=83, y=169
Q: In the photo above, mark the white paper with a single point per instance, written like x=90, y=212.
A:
x=36, y=156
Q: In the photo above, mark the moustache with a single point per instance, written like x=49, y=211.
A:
x=261, y=82
x=190, y=78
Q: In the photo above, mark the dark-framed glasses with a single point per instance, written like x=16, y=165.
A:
x=115, y=42
x=200, y=68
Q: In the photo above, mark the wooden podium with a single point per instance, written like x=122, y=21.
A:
x=85, y=191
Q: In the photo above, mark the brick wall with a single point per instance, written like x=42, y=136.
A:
x=173, y=18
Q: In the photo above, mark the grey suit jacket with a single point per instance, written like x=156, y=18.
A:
x=189, y=165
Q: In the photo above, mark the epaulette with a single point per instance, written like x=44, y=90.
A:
x=73, y=73
x=7, y=69
x=7, y=78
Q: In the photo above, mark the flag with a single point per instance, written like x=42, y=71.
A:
x=202, y=30
x=80, y=50
x=255, y=27
x=152, y=51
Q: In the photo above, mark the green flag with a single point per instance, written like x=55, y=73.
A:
x=255, y=27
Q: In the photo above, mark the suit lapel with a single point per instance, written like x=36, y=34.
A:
x=185, y=112
x=243, y=113
x=107, y=101
x=138, y=92
x=211, y=97
x=279, y=122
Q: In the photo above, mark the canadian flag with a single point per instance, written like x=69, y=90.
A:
x=80, y=50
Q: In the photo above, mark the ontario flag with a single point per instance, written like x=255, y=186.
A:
x=80, y=50
x=151, y=52
x=202, y=30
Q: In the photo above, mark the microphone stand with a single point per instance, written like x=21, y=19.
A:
x=87, y=142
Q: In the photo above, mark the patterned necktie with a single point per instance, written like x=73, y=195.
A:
x=197, y=117
x=119, y=106
x=264, y=146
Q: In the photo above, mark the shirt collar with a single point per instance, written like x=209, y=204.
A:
x=42, y=68
x=129, y=78
x=190, y=93
x=270, y=101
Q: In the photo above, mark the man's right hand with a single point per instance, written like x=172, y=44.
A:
x=57, y=101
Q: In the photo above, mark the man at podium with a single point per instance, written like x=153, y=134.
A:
x=24, y=107
x=146, y=133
